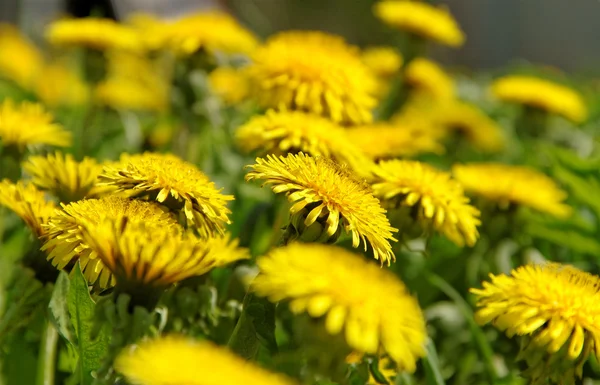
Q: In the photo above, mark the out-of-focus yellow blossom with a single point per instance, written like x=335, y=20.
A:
x=327, y=198
x=314, y=72
x=230, y=84
x=28, y=203
x=176, y=184
x=181, y=360
x=385, y=62
x=65, y=242
x=369, y=304
x=430, y=78
x=58, y=85
x=20, y=60
x=96, y=33
x=133, y=82
x=543, y=94
x=554, y=309
x=507, y=184
x=439, y=200
x=66, y=178
x=152, y=31
x=422, y=19
x=162, y=134
x=28, y=124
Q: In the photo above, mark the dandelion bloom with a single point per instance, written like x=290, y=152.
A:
x=13, y=45
x=177, y=184
x=27, y=124
x=543, y=94
x=371, y=305
x=28, y=203
x=507, y=184
x=59, y=85
x=422, y=19
x=327, y=198
x=554, y=309
x=230, y=84
x=439, y=201
x=385, y=62
x=62, y=175
x=429, y=78
x=314, y=72
x=182, y=360
x=65, y=243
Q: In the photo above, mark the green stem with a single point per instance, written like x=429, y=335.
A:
x=47, y=356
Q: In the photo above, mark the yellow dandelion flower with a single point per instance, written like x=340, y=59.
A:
x=28, y=203
x=96, y=33
x=28, y=124
x=14, y=45
x=439, y=200
x=175, y=183
x=554, y=309
x=65, y=242
x=314, y=72
x=58, y=85
x=507, y=184
x=430, y=78
x=63, y=176
x=543, y=94
x=327, y=198
x=181, y=360
x=152, y=31
x=230, y=84
x=385, y=62
x=371, y=305
x=422, y=19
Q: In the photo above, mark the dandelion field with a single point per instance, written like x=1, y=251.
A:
x=183, y=202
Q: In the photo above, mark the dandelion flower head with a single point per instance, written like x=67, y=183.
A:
x=385, y=62
x=230, y=84
x=59, y=85
x=430, y=78
x=13, y=45
x=28, y=203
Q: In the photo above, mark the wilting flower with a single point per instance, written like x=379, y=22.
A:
x=63, y=176
x=429, y=78
x=65, y=243
x=28, y=203
x=371, y=305
x=177, y=184
x=14, y=45
x=385, y=62
x=437, y=199
x=554, y=309
x=314, y=72
x=28, y=124
x=230, y=84
x=422, y=19
x=507, y=184
x=96, y=33
x=181, y=360
x=59, y=85
x=327, y=198
x=543, y=94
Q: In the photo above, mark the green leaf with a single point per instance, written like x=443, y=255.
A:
x=81, y=309
x=585, y=190
x=255, y=325
x=59, y=310
x=431, y=363
x=19, y=360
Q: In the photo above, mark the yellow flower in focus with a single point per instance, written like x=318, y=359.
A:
x=230, y=84
x=327, y=198
x=422, y=19
x=543, y=94
x=181, y=360
x=27, y=124
x=314, y=72
x=96, y=33
x=65, y=243
x=507, y=184
x=429, y=78
x=175, y=183
x=58, y=85
x=66, y=178
x=554, y=308
x=20, y=60
x=439, y=200
x=369, y=304
x=28, y=203
x=385, y=62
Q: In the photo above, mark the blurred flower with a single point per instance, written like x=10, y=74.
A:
x=96, y=33
x=371, y=305
x=58, y=85
x=326, y=198
x=65, y=243
x=429, y=78
x=27, y=124
x=385, y=62
x=182, y=360
x=507, y=184
x=176, y=184
x=314, y=72
x=438, y=200
x=28, y=203
x=230, y=84
x=542, y=94
x=554, y=308
x=152, y=31
x=63, y=176
x=422, y=19
x=13, y=45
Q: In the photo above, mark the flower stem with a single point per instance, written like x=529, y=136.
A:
x=47, y=356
